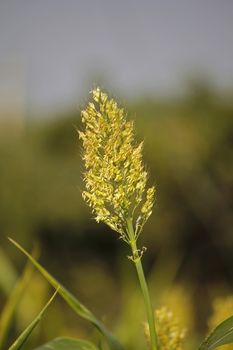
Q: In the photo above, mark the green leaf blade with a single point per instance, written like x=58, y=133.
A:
x=221, y=335
x=19, y=342
x=72, y=301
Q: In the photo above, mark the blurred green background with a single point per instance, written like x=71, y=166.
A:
x=188, y=151
x=52, y=53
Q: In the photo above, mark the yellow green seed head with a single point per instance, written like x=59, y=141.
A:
x=115, y=177
x=170, y=334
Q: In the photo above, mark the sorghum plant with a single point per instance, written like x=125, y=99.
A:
x=116, y=180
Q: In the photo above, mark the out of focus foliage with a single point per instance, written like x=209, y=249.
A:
x=188, y=148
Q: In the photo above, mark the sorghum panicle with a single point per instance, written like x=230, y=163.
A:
x=115, y=176
x=170, y=334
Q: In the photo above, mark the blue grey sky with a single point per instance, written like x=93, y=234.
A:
x=60, y=47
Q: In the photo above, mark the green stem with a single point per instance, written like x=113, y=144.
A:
x=143, y=284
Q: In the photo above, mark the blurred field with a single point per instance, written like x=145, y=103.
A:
x=188, y=150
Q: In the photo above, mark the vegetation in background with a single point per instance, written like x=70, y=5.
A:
x=192, y=166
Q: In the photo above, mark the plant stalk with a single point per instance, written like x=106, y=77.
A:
x=148, y=305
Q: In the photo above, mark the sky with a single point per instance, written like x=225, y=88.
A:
x=52, y=51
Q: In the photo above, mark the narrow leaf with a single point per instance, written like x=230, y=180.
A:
x=221, y=335
x=26, y=333
x=72, y=301
x=67, y=344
